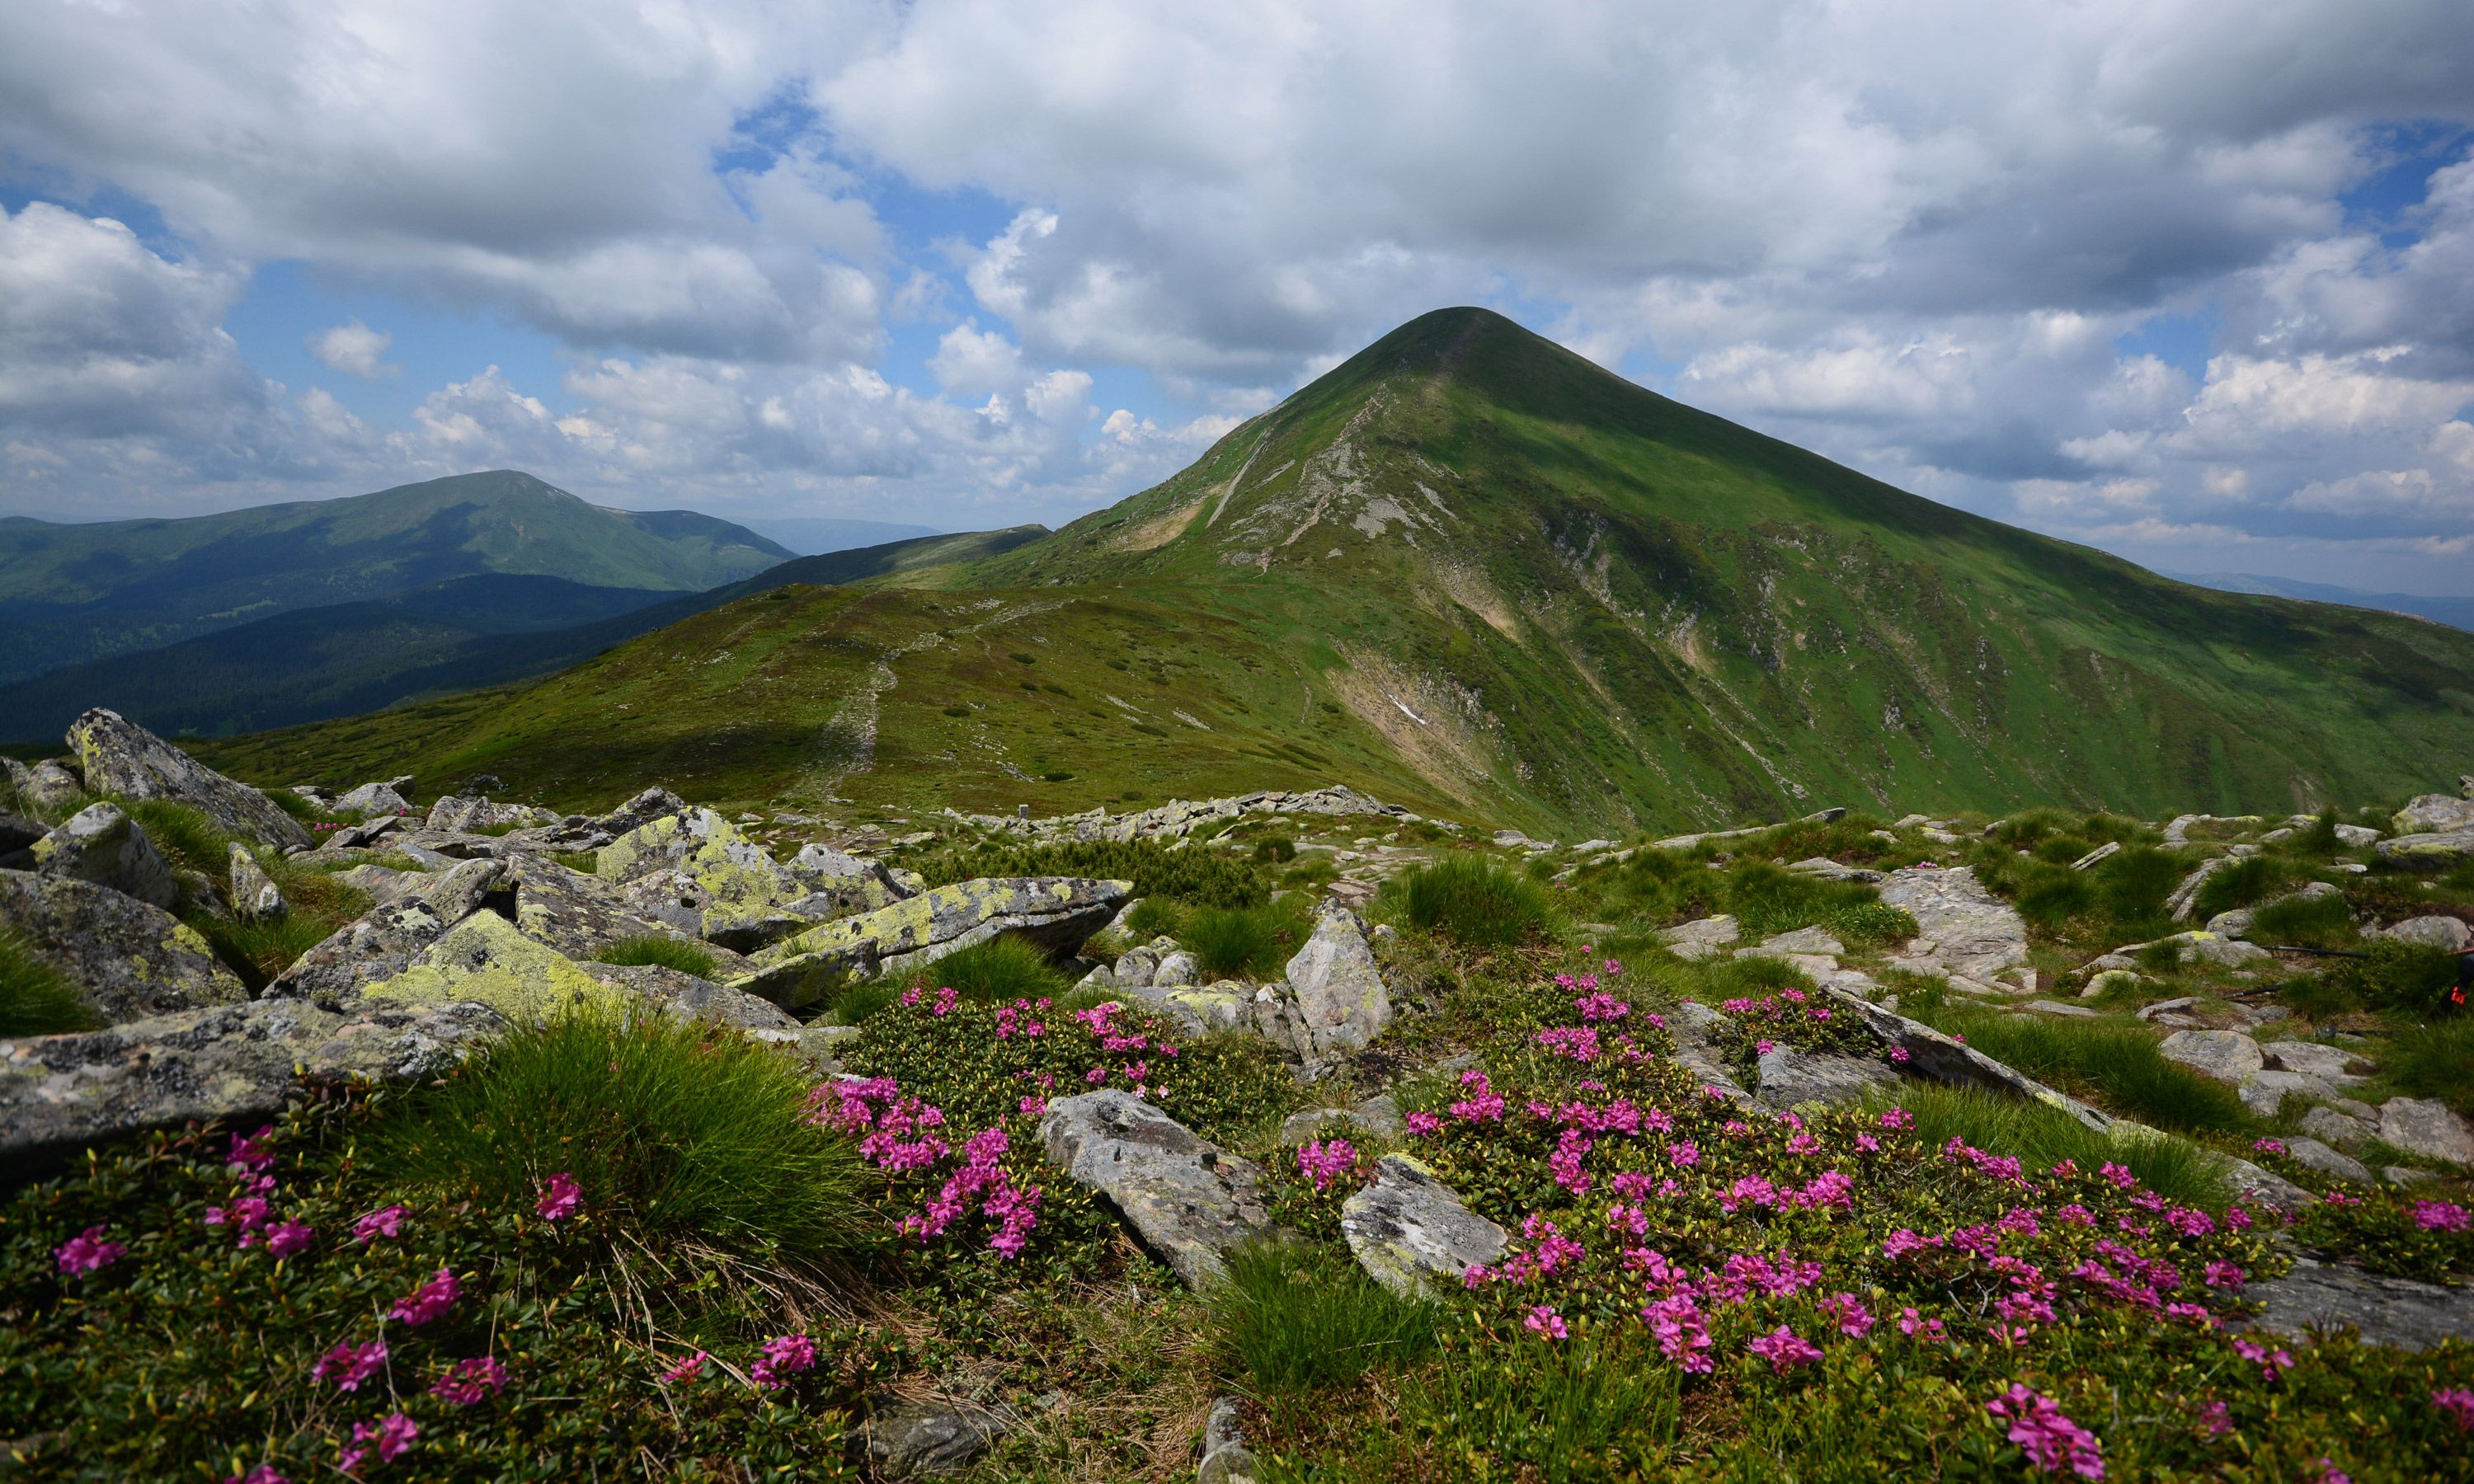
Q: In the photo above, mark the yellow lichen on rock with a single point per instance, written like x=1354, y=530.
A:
x=485, y=959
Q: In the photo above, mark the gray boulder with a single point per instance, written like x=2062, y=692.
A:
x=101, y=845
x=2263, y=1092
x=371, y=799
x=2330, y=1063
x=926, y=1439
x=1188, y=1201
x=2426, y=1127
x=1788, y=1077
x=48, y=787
x=1962, y=930
x=2342, y=1130
x=1176, y=970
x=1055, y=914
x=1703, y=938
x=118, y=756
x=1410, y=1231
x=2434, y=814
x=2394, y=1311
x=1937, y=1058
x=2448, y=934
x=383, y=943
x=1225, y=1458
x=2313, y=1155
x=1134, y=968
x=2429, y=853
x=2228, y=1056
x=1339, y=989
x=1695, y=1027
x=60, y=1094
x=128, y=960
x=253, y=895
x=839, y=884
x=691, y=998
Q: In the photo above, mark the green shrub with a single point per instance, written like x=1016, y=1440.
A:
x=1230, y=943
x=2313, y=922
x=2319, y=838
x=2116, y=1067
x=2377, y=1230
x=1275, y=849
x=1473, y=900
x=1154, y=917
x=997, y=971
x=2237, y=885
x=1872, y=922
x=682, y=1130
x=1208, y=879
x=2390, y=975
x=2043, y=1137
x=1296, y=1317
x=1553, y=1413
x=658, y=951
x=36, y=998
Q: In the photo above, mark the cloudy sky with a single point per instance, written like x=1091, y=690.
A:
x=2186, y=280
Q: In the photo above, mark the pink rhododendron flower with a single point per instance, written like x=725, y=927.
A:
x=1324, y=1163
x=248, y=1154
x=2439, y=1216
x=1914, y=1325
x=1425, y=1125
x=385, y=1221
x=561, y=1197
x=2223, y=1274
x=390, y=1439
x=430, y=1301
x=1033, y=1105
x=2330, y=1473
x=290, y=1238
x=2272, y=1363
x=2217, y=1418
x=687, y=1370
x=1900, y=1055
x=1785, y=1349
x=469, y=1382
x=1849, y=1314
x=2458, y=1404
x=89, y=1252
x=2053, y=1442
x=1896, y=1118
x=1543, y=1320
x=348, y=1364
x=263, y=1473
x=785, y=1355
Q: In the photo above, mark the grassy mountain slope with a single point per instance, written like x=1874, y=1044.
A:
x=349, y=658
x=1471, y=568
x=79, y=593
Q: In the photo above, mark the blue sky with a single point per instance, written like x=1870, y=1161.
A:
x=2184, y=281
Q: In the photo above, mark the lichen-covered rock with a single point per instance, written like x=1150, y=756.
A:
x=2228, y=1056
x=923, y=1439
x=101, y=845
x=61, y=1093
x=128, y=959
x=1339, y=989
x=839, y=884
x=48, y=787
x=381, y=943
x=1189, y=1202
x=2395, y=1312
x=2449, y=935
x=697, y=872
x=1962, y=930
x=579, y=916
x=1789, y=1078
x=2434, y=814
x=1408, y=1229
x=2342, y=1130
x=2435, y=851
x=118, y=756
x=1054, y=913
x=1930, y=1054
x=253, y=895
x=471, y=814
x=1176, y=968
x=1703, y=937
x=690, y=997
x=484, y=960
x=373, y=799
x=2426, y=1127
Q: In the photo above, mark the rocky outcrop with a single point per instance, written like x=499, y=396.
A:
x=2449, y=935
x=1963, y=932
x=1055, y=914
x=101, y=845
x=60, y=1094
x=383, y=943
x=2428, y=852
x=579, y=916
x=692, y=998
x=1703, y=938
x=839, y=884
x=1336, y=988
x=2227, y=1056
x=1189, y=1202
x=46, y=787
x=118, y=756
x=1789, y=1078
x=1182, y=816
x=1936, y=1057
x=914, y=1440
x=1409, y=1231
x=2431, y=814
x=2395, y=1312
x=128, y=960
x=699, y=873
x=1695, y=1027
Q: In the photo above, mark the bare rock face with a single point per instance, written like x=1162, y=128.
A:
x=1789, y=1078
x=1188, y=1201
x=118, y=756
x=128, y=960
x=61, y=1093
x=1703, y=938
x=2395, y=1312
x=1963, y=932
x=101, y=845
x=1408, y=1230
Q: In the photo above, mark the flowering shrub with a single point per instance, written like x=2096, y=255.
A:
x=2389, y=1230
x=1791, y=1017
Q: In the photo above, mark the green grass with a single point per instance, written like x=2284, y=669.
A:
x=2043, y=1137
x=684, y=1132
x=1154, y=917
x=584, y=862
x=2390, y=975
x=1301, y=1317
x=2434, y=1060
x=36, y=999
x=2313, y=922
x=2239, y=885
x=182, y=835
x=1555, y=1413
x=1473, y=900
x=656, y=950
x=1235, y=941
x=2116, y=1067
x=997, y=971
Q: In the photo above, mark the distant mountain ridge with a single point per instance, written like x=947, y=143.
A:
x=1471, y=572
x=70, y=593
x=483, y=629
x=2456, y=613
x=816, y=536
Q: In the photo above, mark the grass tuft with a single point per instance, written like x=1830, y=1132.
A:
x=36, y=999
x=1227, y=942
x=2116, y=1067
x=1473, y=900
x=2043, y=1137
x=996, y=973
x=682, y=1130
x=657, y=951
x=2432, y=1061
x=1298, y=1318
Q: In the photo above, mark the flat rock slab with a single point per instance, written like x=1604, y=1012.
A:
x=127, y=960
x=1056, y=914
x=2313, y=1155
x=2432, y=853
x=61, y=1093
x=2426, y=1127
x=928, y=1439
x=383, y=943
x=2228, y=1056
x=2329, y=1064
x=1789, y=1078
x=1961, y=928
x=2265, y=1092
x=1408, y=1230
x=2395, y=1312
x=2342, y=1130
x=1189, y=1201
x=1937, y=1058
x=484, y=959
x=118, y=756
